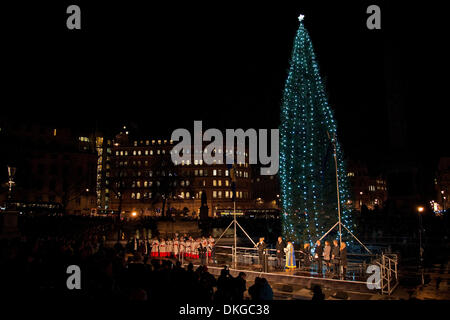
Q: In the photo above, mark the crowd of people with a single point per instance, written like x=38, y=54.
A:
x=183, y=247
x=34, y=267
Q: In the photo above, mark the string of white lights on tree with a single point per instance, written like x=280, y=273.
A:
x=307, y=171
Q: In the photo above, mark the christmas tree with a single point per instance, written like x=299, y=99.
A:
x=307, y=167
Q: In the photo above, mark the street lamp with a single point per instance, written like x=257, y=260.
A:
x=421, y=209
x=443, y=200
x=360, y=201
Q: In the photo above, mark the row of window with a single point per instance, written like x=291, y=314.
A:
x=140, y=152
x=229, y=194
x=147, y=142
x=187, y=195
x=213, y=152
x=200, y=162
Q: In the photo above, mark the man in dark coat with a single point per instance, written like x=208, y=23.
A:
x=343, y=256
x=261, y=245
x=202, y=253
x=335, y=257
x=280, y=252
x=318, y=255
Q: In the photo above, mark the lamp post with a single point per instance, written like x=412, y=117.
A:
x=420, y=209
x=11, y=174
x=443, y=200
x=360, y=201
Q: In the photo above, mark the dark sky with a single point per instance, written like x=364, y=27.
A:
x=162, y=67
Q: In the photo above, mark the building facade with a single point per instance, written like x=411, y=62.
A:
x=367, y=190
x=55, y=168
x=442, y=184
x=138, y=176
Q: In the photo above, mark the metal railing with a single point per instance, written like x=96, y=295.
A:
x=388, y=264
x=247, y=256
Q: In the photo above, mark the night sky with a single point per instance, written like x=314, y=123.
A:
x=157, y=68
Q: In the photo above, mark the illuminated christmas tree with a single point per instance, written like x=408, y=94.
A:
x=307, y=167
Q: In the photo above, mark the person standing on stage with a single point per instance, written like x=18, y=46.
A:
x=182, y=248
x=196, y=247
x=204, y=243
x=343, y=256
x=318, y=256
x=261, y=245
x=290, y=256
x=162, y=248
x=306, y=255
x=176, y=247
x=327, y=255
x=202, y=253
x=155, y=248
x=211, y=248
x=187, y=253
x=169, y=247
x=335, y=257
x=280, y=252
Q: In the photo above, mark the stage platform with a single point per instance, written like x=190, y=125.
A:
x=293, y=280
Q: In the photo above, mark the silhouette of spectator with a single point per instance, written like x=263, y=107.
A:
x=318, y=294
x=240, y=286
x=255, y=290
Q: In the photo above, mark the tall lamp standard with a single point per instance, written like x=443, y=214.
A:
x=443, y=200
x=420, y=209
x=360, y=201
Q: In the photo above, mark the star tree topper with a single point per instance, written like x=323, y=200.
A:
x=301, y=17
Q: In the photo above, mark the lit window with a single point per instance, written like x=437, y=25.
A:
x=214, y=172
x=219, y=183
x=214, y=194
x=219, y=194
x=214, y=183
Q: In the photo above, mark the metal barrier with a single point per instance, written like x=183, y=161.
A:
x=388, y=264
x=247, y=256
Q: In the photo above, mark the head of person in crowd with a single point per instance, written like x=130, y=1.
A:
x=242, y=275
